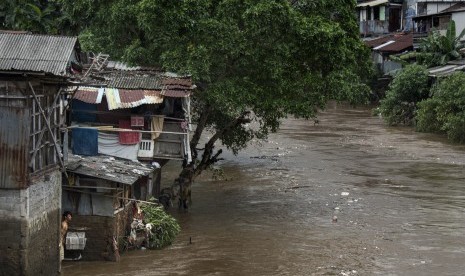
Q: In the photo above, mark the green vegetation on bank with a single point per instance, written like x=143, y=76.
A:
x=435, y=105
x=436, y=108
x=444, y=112
x=408, y=87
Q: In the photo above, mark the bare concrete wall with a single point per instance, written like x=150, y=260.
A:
x=30, y=221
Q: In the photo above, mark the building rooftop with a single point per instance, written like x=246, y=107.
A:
x=21, y=51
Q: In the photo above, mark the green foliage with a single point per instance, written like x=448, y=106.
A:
x=426, y=117
x=164, y=226
x=408, y=87
x=445, y=111
x=437, y=49
x=272, y=57
x=30, y=15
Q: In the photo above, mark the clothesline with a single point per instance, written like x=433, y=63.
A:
x=114, y=129
x=124, y=113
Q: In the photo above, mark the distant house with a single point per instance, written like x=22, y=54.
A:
x=383, y=47
x=378, y=17
x=433, y=15
x=34, y=73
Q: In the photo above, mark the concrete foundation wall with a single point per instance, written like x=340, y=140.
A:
x=30, y=225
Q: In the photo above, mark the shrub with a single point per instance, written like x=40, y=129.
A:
x=445, y=111
x=408, y=87
x=164, y=226
x=426, y=117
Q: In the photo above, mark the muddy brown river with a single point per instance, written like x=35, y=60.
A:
x=398, y=195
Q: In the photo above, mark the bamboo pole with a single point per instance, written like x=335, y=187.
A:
x=57, y=148
x=124, y=198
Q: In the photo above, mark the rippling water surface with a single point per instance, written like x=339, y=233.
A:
x=398, y=196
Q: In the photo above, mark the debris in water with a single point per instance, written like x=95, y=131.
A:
x=344, y=194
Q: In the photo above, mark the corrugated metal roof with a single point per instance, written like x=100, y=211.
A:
x=109, y=168
x=14, y=137
x=175, y=93
x=120, y=98
x=178, y=82
x=393, y=43
x=113, y=100
x=377, y=41
x=131, y=98
x=373, y=3
x=124, y=81
x=36, y=53
x=445, y=70
x=117, y=65
x=92, y=95
x=153, y=96
x=131, y=88
x=459, y=7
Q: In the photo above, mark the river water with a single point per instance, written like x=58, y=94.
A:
x=398, y=196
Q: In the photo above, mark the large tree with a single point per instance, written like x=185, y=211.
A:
x=38, y=16
x=253, y=61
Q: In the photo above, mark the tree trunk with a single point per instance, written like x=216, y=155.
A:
x=191, y=170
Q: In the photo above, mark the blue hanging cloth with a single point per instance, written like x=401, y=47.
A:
x=85, y=141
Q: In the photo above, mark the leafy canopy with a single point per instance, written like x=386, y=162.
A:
x=271, y=57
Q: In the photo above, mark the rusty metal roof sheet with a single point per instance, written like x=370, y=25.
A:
x=394, y=43
x=175, y=93
x=36, y=53
x=131, y=98
x=92, y=95
x=119, y=98
x=109, y=168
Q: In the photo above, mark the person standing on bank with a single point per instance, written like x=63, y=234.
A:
x=65, y=219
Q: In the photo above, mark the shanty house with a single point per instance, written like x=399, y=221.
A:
x=34, y=69
x=99, y=191
x=434, y=15
x=378, y=17
x=123, y=123
x=133, y=113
